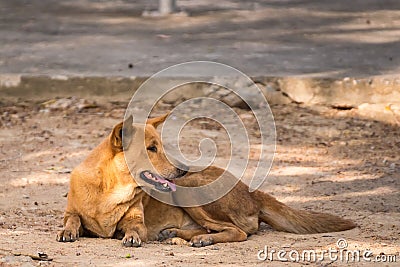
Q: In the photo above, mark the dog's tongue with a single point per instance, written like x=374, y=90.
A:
x=163, y=181
x=172, y=186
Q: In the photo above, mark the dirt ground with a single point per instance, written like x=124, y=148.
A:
x=327, y=160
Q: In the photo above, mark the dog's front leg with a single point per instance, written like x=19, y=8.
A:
x=72, y=228
x=133, y=227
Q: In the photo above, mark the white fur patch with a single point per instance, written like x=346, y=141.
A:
x=121, y=194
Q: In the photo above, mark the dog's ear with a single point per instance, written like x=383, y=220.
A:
x=122, y=134
x=157, y=120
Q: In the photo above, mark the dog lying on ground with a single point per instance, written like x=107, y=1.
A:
x=105, y=200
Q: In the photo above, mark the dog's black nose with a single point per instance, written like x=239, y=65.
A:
x=182, y=169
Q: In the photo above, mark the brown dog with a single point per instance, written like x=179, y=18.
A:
x=104, y=200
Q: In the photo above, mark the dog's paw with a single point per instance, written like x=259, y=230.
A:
x=131, y=240
x=166, y=234
x=177, y=241
x=201, y=241
x=68, y=235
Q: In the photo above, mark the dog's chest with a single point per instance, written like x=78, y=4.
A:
x=120, y=194
x=116, y=203
x=105, y=223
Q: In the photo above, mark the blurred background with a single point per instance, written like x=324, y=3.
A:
x=260, y=37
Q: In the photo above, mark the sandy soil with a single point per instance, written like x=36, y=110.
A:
x=327, y=160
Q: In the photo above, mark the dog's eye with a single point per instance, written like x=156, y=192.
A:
x=152, y=148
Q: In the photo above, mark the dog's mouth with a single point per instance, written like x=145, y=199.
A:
x=159, y=182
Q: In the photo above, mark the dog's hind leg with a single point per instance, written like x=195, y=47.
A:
x=219, y=230
x=228, y=234
x=186, y=234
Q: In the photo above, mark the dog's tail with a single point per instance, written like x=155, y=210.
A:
x=284, y=218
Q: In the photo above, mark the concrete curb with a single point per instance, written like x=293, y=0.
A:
x=14, y=87
x=347, y=92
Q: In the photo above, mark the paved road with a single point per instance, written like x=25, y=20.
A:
x=267, y=38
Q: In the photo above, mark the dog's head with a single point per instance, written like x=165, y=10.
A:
x=143, y=153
